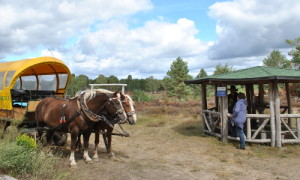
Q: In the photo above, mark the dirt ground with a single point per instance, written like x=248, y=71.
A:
x=173, y=147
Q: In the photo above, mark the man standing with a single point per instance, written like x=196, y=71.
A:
x=239, y=118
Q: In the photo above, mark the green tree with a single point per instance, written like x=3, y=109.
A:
x=174, y=81
x=196, y=87
x=202, y=73
x=152, y=85
x=223, y=69
x=295, y=52
x=129, y=83
x=101, y=79
x=277, y=60
x=112, y=79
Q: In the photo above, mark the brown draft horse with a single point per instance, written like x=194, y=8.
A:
x=101, y=126
x=79, y=115
x=128, y=105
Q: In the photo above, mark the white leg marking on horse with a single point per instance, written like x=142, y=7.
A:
x=96, y=157
x=72, y=159
x=86, y=156
x=111, y=155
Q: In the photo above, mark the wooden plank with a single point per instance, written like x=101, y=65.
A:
x=212, y=112
x=277, y=115
x=272, y=114
x=206, y=122
x=248, y=128
x=260, y=128
x=298, y=127
x=289, y=129
x=258, y=115
x=289, y=115
x=290, y=141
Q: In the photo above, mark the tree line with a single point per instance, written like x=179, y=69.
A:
x=173, y=82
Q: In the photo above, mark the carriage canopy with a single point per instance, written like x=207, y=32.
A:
x=34, y=75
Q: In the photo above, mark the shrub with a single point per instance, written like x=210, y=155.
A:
x=26, y=141
x=141, y=96
x=15, y=159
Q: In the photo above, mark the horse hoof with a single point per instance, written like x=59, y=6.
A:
x=96, y=159
x=117, y=159
x=73, y=164
x=88, y=162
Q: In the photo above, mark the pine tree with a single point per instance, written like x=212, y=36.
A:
x=295, y=52
x=174, y=81
x=277, y=60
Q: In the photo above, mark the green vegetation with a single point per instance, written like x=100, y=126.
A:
x=21, y=157
x=26, y=141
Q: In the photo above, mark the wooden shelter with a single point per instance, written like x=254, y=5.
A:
x=270, y=117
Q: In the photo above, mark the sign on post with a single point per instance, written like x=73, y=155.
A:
x=221, y=91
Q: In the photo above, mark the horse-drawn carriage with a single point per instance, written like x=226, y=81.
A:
x=24, y=83
x=32, y=91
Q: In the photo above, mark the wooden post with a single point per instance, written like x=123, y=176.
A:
x=203, y=103
x=277, y=115
x=248, y=128
x=251, y=89
x=203, y=97
x=272, y=114
x=288, y=100
x=224, y=112
x=249, y=98
x=216, y=99
x=298, y=128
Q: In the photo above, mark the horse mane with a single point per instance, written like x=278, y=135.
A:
x=127, y=96
x=90, y=94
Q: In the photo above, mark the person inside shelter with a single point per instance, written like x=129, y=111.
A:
x=232, y=98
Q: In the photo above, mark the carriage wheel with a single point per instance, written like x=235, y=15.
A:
x=59, y=138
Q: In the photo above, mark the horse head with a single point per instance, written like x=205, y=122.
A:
x=128, y=105
x=115, y=108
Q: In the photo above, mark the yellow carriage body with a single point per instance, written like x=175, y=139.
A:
x=36, y=77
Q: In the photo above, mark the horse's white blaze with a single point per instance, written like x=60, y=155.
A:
x=72, y=159
x=134, y=117
x=124, y=113
x=86, y=156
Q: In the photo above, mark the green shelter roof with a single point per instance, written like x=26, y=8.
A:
x=258, y=74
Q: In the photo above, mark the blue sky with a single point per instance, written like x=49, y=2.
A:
x=143, y=37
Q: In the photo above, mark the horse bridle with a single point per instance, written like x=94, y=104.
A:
x=119, y=111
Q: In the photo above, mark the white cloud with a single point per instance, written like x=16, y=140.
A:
x=28, y=25
x=145, y=50
x=253, y=28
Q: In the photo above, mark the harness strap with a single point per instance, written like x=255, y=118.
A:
x=63, y=117
x=61, y=125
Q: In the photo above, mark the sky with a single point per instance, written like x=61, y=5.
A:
x=142, y=38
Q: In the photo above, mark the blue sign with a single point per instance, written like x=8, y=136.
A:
x=221, y=91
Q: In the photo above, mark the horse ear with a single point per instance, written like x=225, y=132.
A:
x=115, y=94
x=123, y=97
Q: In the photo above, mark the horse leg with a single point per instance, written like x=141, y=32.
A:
x=74, y=138
x=86, y=138
x=79, y=144
x=96, y=157
x=109, y=149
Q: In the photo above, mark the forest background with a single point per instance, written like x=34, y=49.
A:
x=172, y=85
